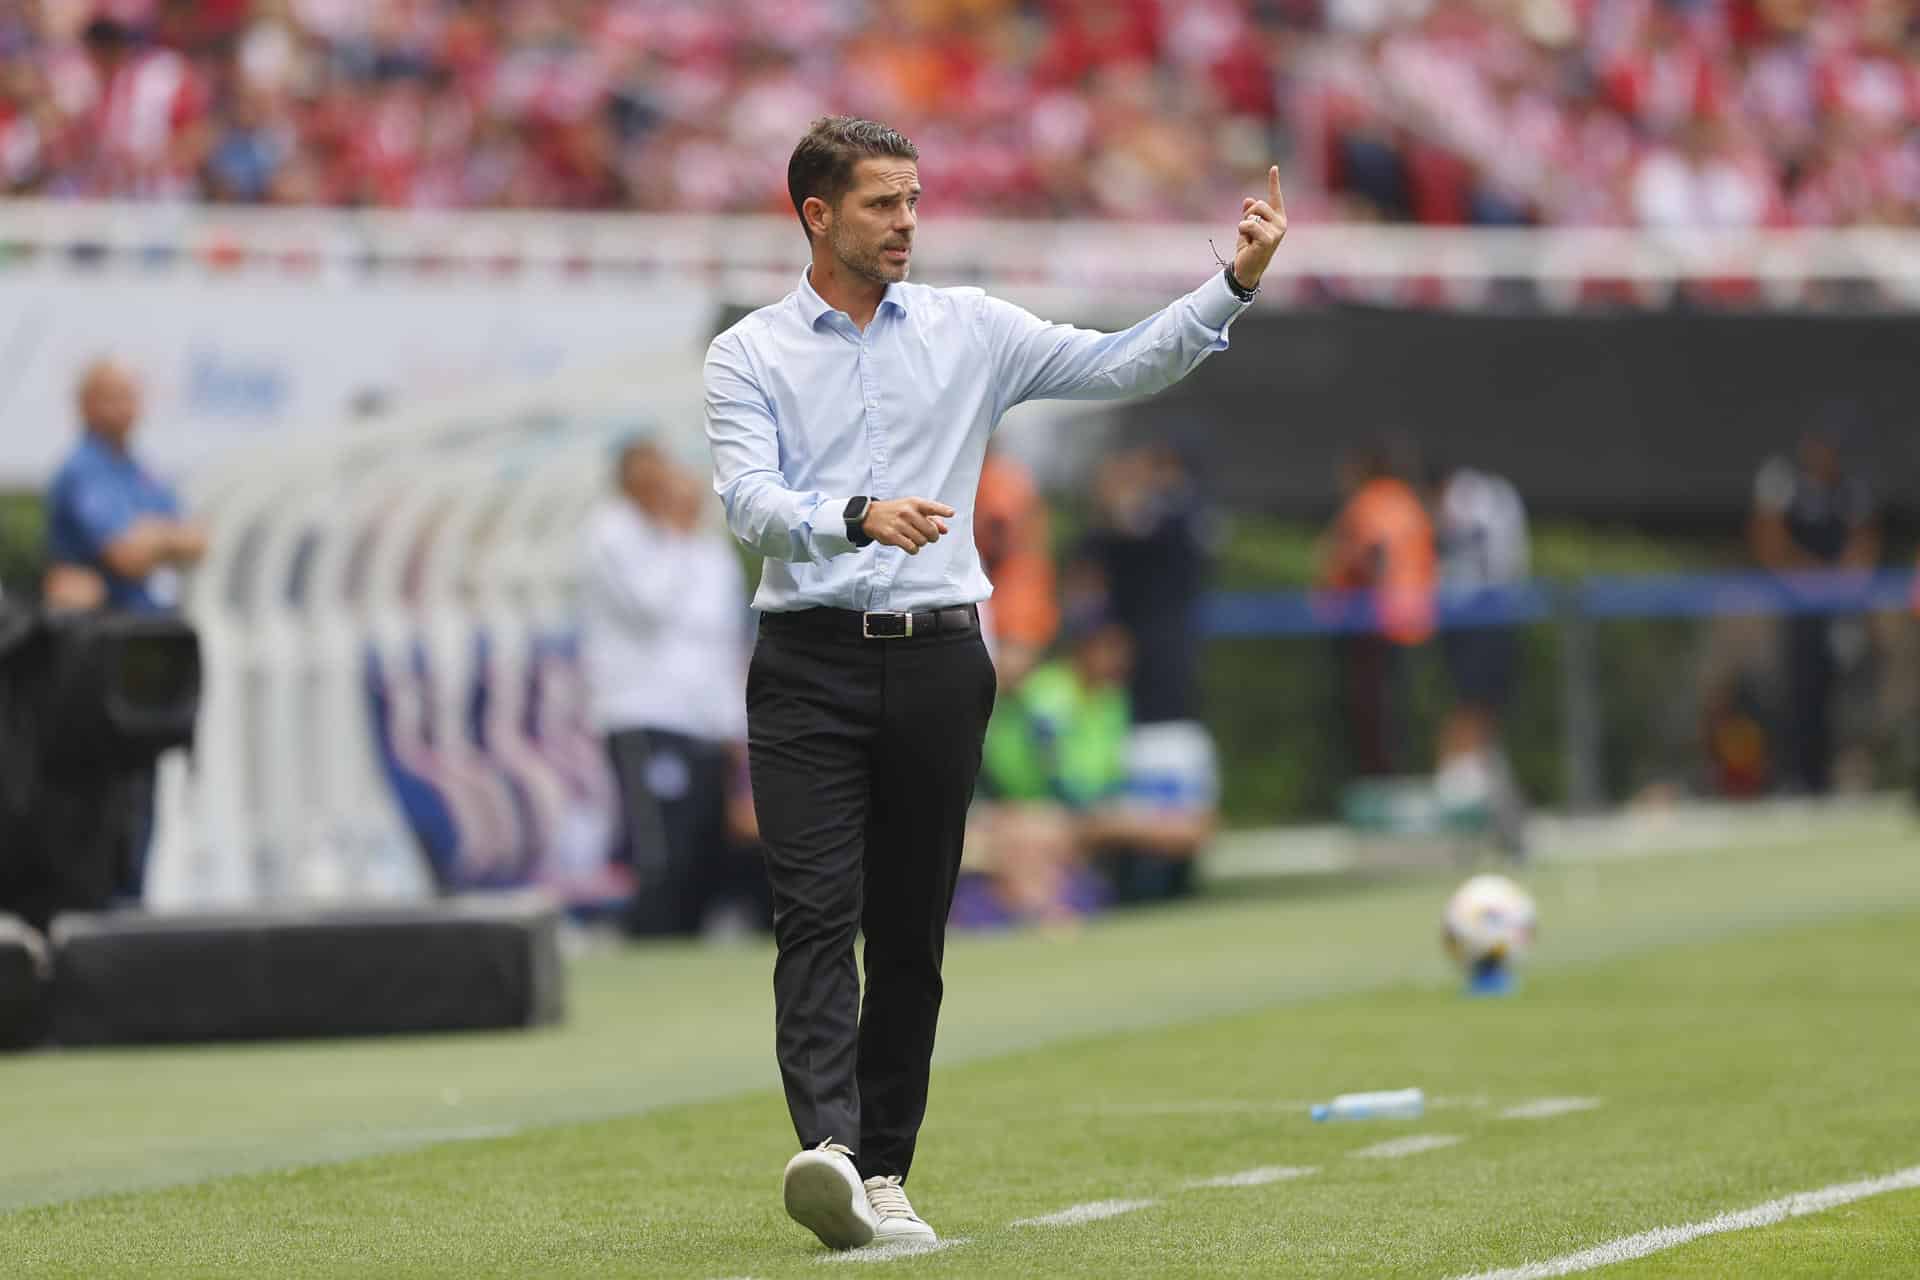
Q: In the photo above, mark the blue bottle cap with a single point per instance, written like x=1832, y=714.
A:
x=1491, y=980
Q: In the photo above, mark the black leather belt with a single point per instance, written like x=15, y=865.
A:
x=852, y=624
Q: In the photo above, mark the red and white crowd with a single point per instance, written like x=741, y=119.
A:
x=1727, y=113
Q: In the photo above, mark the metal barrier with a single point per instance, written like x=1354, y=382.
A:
x=1574, y=608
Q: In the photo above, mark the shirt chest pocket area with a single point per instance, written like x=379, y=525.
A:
x=823, y=426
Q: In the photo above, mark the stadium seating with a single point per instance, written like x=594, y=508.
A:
x=1596, y=112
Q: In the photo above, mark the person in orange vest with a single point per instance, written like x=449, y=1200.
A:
x=1010, y=529
x=1380, y=542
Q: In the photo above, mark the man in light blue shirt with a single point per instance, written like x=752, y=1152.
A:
x=848, y=423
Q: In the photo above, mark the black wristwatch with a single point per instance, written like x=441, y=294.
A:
x=1239, y=290
x=856, y=515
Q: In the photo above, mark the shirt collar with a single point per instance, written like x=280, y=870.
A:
x=94, y=446
x=813, y=306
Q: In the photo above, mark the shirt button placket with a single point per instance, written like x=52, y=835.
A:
x=882, y=581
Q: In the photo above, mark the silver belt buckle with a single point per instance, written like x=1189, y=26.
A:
x=866, y=625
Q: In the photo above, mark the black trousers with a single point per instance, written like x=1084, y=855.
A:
x=1373, y=679
x=673, y=809
x=864, y=755
x=1810, y=679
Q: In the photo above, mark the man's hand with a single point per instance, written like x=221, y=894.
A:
x=152, y=541
x=186, y=543
x=1263, y=225
x=907, y=523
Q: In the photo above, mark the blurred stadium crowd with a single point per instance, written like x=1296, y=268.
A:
x=1724, y=113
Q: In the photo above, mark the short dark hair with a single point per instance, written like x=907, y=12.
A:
x=822, y=163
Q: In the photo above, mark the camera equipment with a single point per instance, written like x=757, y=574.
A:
x=88, y=701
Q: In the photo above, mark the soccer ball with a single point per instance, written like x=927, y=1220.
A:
x=1489, y=923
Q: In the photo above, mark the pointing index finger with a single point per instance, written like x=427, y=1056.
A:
x=1273, y=188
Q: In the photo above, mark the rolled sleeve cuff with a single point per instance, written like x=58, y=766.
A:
x=1215, y=304
x=829, y=525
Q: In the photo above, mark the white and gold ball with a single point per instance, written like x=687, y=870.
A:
x=1489, y=919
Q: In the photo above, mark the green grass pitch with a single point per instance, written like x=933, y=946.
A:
x=1747, y=1023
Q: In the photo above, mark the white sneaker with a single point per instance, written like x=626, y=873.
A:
x=824, y=1195
x=897, y=1220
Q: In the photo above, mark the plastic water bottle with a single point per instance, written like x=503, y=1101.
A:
x=1392, y=1104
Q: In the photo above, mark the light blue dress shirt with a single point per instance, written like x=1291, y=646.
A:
x=805, y=412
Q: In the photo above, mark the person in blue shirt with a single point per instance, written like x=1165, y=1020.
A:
x=848, y=424
x=115, y=533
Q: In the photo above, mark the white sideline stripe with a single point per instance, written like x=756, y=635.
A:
x=1234, y=1106
x=1093, y=1211
x=1397, y=1147
x=466, y=1133
x=1542, y=1108
x=1251, y=1177
x=1761, y=1215
x=895, y=1251
x=1192, y=1107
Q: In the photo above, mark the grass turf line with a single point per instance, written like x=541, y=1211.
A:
x=664, y=1025
x=1734, y=1071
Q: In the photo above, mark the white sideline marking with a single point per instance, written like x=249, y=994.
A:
x=1093, y=1211
x=1542, y=1108
x=895, y=1251
x=1251, y=1177
x=1411, y=1146
x=468, y=1133
x=1236, y=1106
x=1191, y=1107
x=1761, y=1215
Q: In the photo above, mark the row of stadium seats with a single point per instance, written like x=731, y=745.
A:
x=1731, y=113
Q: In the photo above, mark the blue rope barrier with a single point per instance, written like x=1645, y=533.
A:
x=1602, y=597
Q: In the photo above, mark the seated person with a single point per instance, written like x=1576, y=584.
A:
x=1150, y=838
x=1058, y=778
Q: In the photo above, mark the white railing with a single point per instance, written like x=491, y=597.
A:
x=757, y=256
x=385, y=556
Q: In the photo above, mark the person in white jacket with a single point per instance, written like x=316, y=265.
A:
x=665, y=648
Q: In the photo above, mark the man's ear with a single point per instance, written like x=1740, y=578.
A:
x=817, y=212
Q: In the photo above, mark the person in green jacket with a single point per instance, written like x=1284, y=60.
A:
x=1060, y=736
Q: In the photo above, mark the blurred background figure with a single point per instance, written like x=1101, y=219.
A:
x=116, y=539
x=1055, y=757
x=1481, y=530
x=1381, y=543
x=1153, y=543
x=1811, y=513
x=1010, y=530
x=115, y=534
x=1059, y=779
x=664, y=635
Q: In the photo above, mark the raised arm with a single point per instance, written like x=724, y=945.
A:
x=1034, y=360
x=776, y=521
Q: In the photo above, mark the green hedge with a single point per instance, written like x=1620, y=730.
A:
x=1275, y=706
x=22, y=536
